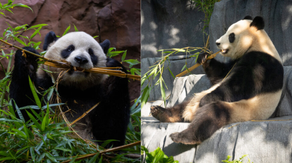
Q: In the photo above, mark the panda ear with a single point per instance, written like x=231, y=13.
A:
x=50, y=38
x=247, y=17
x=258, y=22
x=105, y=45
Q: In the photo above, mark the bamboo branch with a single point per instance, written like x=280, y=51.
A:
x=195, y=66
x=104, y=151
x=67, y=65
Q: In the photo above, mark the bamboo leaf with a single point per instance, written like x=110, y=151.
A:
x=34, y=120
x=20, y=41
x=35, y=96
x=124, y=56
x=75, y=28
x=66, y=31
x=145, y=96
x=18, y=110
x=171, y=72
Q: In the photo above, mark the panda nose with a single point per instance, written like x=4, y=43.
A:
x=81, y=60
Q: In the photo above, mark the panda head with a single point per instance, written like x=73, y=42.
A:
x=80, y=50
x=244, y=36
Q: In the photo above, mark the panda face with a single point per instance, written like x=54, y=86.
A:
x=237, y=40
x=80, y=50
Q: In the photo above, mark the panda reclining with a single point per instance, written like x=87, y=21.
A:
x=79, y=90
x=248, y=87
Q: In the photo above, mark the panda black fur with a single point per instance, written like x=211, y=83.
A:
x=79, y=90
x=251, y=90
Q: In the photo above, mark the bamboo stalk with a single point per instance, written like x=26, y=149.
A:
x=195, y=66
x=104, y=151
x=67, y=65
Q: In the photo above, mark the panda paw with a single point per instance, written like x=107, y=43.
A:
x=183, y=138
x=157, y=112
x=202, y=58
x=110, y=62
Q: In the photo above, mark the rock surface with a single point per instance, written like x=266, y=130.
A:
x=118, y=21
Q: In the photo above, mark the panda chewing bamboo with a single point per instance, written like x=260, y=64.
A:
x=79, y=90
x=248, y=87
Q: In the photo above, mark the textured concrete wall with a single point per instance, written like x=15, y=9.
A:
x=165, y=25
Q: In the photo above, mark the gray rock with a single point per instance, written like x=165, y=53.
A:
x=166, y=25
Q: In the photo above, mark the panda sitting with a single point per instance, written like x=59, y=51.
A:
x=79, y=90
x=248, y=87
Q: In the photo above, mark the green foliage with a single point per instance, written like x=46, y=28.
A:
x=112, y=52
x=38, y=140
x=235, y=161
x=156, y=71
x=157, y=156
x=10, y=5
x=207, y=7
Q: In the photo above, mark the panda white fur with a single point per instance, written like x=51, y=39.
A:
x=79, y=90
x=251, y=91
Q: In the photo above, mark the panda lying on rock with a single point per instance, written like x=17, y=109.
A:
x=250, y=91
x=79, y=90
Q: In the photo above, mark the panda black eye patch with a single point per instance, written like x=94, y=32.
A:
x=93, y=57
x=66, y=52
x=231, y=37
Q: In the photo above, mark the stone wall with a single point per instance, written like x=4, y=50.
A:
x=166, y=25
x=117, y=20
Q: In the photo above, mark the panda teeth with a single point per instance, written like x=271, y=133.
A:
x=224, y=51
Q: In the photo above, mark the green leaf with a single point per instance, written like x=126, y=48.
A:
x=171, y=72
x=32, y=154
x=94, y=158
x=19, y=133
x=34, y=120
x=35, y=96
x=145, y=95
x=37, y=26
x=132, y=62
x=52, y=158
x=18, y=111
x=162, y=90
x=35, y=32
x=75, y=28
x=124, y=55
x=66, y=31
x=22, y=5
x=20, y=41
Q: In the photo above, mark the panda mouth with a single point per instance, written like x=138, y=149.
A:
x=76, y=71
x=224, y=51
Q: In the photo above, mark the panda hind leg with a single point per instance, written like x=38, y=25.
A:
x=208, y=119
x=173, y=114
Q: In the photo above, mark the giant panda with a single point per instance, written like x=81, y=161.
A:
x=79, y=90
x=248, y=87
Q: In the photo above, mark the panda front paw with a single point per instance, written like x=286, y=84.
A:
x=110, y=62
x=202, y=58
x=27, y=59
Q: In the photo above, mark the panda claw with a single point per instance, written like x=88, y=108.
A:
x=156, y=111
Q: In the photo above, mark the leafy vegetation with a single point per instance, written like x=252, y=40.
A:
x=46, y=137
x=207, y=6
x=157, y=156
x=240, y=160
